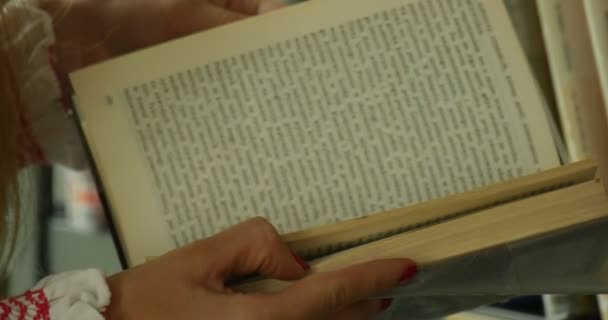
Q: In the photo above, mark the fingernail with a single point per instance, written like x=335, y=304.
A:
x=385, y=303
x=409, y=272
x=301, y=262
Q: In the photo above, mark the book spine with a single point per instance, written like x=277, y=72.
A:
x=602, y=301
x=556, y=307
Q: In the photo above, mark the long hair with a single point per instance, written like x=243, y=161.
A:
x=10, y=135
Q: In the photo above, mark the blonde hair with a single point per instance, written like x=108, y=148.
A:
x=10, y=135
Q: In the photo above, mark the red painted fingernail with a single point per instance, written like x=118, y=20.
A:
x=385, y=303
x=409, y=272
x=301, y=262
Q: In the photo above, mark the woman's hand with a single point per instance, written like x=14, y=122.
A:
x=89, y=31
x=188, y=284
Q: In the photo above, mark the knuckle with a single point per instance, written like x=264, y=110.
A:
x=338, y=296
x=263, y=236
x=259, y=221
x=268, y=251
x=263, y=230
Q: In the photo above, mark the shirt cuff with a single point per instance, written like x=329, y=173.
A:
x=77, y=295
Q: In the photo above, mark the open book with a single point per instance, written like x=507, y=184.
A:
x=422, y=116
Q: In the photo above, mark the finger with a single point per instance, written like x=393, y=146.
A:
x=248, y=248
x=269, y=5
x=325, y=293
x=248, y=7
x=363, y=310
x=193, y=16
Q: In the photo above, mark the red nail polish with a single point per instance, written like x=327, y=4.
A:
x=302, y=263
x=409, y=272
x=385, y=303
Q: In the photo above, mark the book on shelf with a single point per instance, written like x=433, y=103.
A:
x=597, y=13
x=603, y=305
x=491, y=313
x=572, y=32
x=422, y=117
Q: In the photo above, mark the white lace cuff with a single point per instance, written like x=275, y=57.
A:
x=77, y=295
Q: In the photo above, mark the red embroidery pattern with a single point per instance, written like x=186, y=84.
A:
x=32, y=305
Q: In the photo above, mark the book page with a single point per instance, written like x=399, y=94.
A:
x=573, y=69
x=377, y=105
x=525, y=18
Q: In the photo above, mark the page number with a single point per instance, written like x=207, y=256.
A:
x=109, y=100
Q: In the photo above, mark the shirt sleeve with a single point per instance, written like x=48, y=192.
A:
x=50, y=134
x=76, y=295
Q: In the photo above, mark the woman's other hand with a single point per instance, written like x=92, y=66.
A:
x=89, y=31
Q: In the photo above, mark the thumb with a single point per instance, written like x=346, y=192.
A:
x=248, y=248
x=324, y=293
